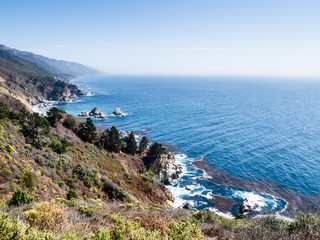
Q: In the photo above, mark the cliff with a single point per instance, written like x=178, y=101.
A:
x=166, y=168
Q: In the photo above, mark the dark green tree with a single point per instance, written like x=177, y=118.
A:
x=35, y=128
x=156, y=149
x=88, y=131
x=143, y=144
x=54, y=115
x=131, y=147
x=114, y=144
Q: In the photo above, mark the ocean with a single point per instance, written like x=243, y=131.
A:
x=257, y=138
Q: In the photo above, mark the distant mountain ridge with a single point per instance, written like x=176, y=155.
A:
x=59, y=68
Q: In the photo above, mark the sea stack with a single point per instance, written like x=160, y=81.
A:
x=118, y=112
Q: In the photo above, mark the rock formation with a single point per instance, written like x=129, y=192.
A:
x=248, y=206
x=118, y=112
x=166, y=168
x=83, y=114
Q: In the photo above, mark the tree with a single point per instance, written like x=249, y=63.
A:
x=143, y=144
x=88, y=131
x=156, y=150
x=54, y=115
x=131, y=147
x=114, y=144
x=35, y=128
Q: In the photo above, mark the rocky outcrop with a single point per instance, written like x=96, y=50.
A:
x=96, y=113
x=83, y=114
x=166, y=168
x=118, y=112
x=248, y=206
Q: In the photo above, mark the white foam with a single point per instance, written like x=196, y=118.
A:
x=219, y=213
x=257, y=198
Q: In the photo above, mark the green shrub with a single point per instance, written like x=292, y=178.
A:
x=69, y=122
x=60, y=145
x=87, y=211
x=69, y=236
x=102, y=234
x=205, y=216
x=184, y=230
x=27, y=180
x=9, y=148
x=10, y=228
x=72, y=194
x=89, y=179
x=47, y=216
x=20, y=197
x=8, y=157
x=114, y=191
x=35, y=234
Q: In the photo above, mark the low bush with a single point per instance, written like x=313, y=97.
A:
x=184, y=230
x=114, y=191
x=47, y=216
x=87, y=211
x=82, y=173
x=27, y=180
x=60, y=145
x=9, y=148
x=69, y=122
x=10, y=228
x=72, y=194
x=20, y=197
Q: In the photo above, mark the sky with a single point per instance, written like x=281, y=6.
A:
x=170, y=37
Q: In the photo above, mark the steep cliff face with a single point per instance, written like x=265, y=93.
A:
x=166, y=168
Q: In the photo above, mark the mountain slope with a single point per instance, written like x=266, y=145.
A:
x=59, y=68
x=29, y=83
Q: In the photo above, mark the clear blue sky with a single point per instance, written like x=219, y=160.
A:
x=198, y=37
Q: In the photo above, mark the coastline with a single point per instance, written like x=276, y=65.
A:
x=223, y=205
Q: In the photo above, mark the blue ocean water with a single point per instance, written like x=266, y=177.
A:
x=260, y=137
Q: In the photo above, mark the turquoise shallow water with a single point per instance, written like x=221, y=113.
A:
x=261, y=139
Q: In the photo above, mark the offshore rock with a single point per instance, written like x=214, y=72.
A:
x=248, y=206
x=118, y=112
x=95, y=112
x=83, y=114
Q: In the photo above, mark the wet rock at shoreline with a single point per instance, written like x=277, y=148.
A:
x=166, y=168
x=186, y=205
x=248, y=206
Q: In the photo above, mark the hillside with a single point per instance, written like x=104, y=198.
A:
x=27, y=82
x=58, y=68
x=62, y=178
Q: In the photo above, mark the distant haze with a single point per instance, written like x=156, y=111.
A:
x=181, y=37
